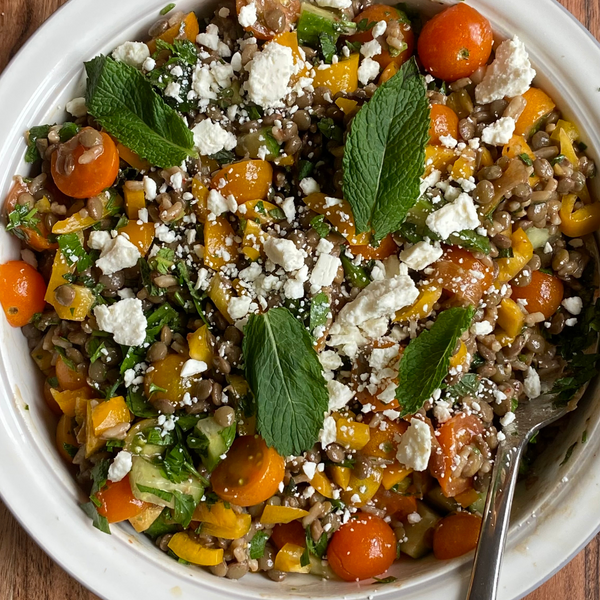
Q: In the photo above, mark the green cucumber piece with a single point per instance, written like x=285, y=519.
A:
x=436, y=498
x=314, y=21
x=538, y=237
x=419, y=536
x=218, y=441
x=253, y=145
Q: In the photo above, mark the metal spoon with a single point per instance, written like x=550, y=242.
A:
x=531, y=416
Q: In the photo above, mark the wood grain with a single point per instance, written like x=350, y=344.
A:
x=27, y=573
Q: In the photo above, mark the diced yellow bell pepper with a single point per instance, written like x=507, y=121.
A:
x=511, y=317
x=438, y=158
x=340, y=77
x=109, y=414
x=288, y=559
x=221, y=521
x=184, y=547
x=258, y=210
x=84, y=297
x=135, y=200
x=81, y=406
x=140, y=235
x=340, y=475
x=285, y=161
x=522, y=254
x=200, y=346
x=42, y=358
x=569, y=128
x=389, y=72
x=394, y=474
x=133, y=159
x=254, y=238
x=360, y=491
x=143, y=521
x=281, y=514
x=486, y=158
x=460, y=357
x=220, y=294
x=322, y=484
x=219, y=244
x=580, y=222
x=464, y=167
x=566, y=148
x=110, y=205
x=467, y=498
x=422, y=307
x=503, y=338
x=68, y=399
x=92, y=442
x=352, y=434
x=200, y=193
x=346, y=105
x=339, y=215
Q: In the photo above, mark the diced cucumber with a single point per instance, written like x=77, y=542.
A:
x=479, y=504
x=136, y=440
x=149, y=475
x=218, y=441
x=538, y=237
x=315, y=20
x=258, y=144
x=419, y=536
x=436, y=497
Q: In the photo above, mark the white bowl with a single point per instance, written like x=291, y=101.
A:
x=552, y=521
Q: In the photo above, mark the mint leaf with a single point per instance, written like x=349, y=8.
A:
x=319, y=309
x=73, y=251
x=38, y=131
x=320, y=226
x=257, y=544
x=286, y=377
x=120, y=98
x=384, y=155
x=166, y=496
x=98, y=521
x=426, y=360
x=184, y=508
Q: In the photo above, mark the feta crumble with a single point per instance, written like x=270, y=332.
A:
x=120, y=466
x=132, y=53
x=193, y=367
x=532, y=384
x=573, y=304
x=414, y=449
x=368, y=70
x=421, y=255
x=118, y=254
x=124, y=319
x=210, y=138
x=456, y=216
x=284, y=253
x=500, y=132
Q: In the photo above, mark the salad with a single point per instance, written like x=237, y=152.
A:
x=289, y=271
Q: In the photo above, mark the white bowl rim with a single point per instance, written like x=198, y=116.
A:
x=103, y=564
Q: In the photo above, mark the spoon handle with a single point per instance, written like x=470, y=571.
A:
x=494, y=527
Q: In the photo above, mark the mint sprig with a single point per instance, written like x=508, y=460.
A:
x=286, y=378
x=426, y=360
x=120, y=98
x=384, y=155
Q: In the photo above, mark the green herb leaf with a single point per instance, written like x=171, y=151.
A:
x=22, y=216
x=99, y=475
x=98, y=521
x=319, y=311
x=384, y=155
x=330, y=130
x=257, y=544
x=162, y=261
x=468, y=385
x=120, y=98
x=471, y=240
x=70, y=449
x=162, y=525
x=389, y=579
x=166, y=496
x=67, y=131
x=526, y=159
x=286, y=378
x=426, y=360
x=39, y=131
x=184, y=508
x=320, y=226
x=196, y=296
x=354, y=274
x=168, y=8
x=305, y=168
x=317, y=548
x=327, y=46
x=73, y=251
x=96, y=346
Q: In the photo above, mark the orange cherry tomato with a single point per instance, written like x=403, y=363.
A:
x=456, y=535
x=455, y=43
x=395, y=504
x=250, y=473
x=398, y=24
x=384, y=439
x=363, y=547
x=288, y=533
x=244, y=180
x=290, y=9
x=455, y=272
x=118, y=502
x=22, y=291
x=88, y=179
x=452, y=437
x=544, y=294
x=444, y=121
x=387, y=247
x=69, y=379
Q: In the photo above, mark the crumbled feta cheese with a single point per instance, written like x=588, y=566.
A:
x=324, y=246
x=328, y=434
x=570, y=322
x=149, y=188
x=289, y=209
x=414, y=449
x=532, y=384
x=209, y=80
x=193, y=367
x=482, y=328
x=421, y=255
x=216, y=203
x=379, y=29
x=325, y=271
x=120, y=466
x=441, y=411
x=507, y=419
x=368, y=70
x=370, y=49
x=269, y=75
x=293, y=289
x=210, y=138
x=330, y=361
x=77, y=107
x=509, y=75
x=238, y=307
x=456, y=216
x=132, y=53
x=500, y=132
x=118, y=254
x=149, y=64
x=172, y=90
x=430, y=181
x=309, y=468
x=414, y=518
x=98, y=240
x=236, y=62
x=124, y=319
x=309, y=186
x=448, y=141
x=251, y=272
x=339, y=395
x=573, y=304
x=164, y=233
x=334, y=3
x=346, y=337
x=247, y=15
x=210, y=38
x=382, y=357
x=284, y=253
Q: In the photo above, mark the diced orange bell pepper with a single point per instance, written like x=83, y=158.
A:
x=132, y=159
x=384, y=439
x=118, y=502
x=140, y=235
x=352, y=434
x=510, y=317
x=219, y=244
x=389, y=72
x=539, y=105
x=467, y=498
x=109, y=414
x=569, y=128
x=200, y=193
x=322, y=484
x=486, y=158
x=340, y=475
x=360, y=491
x=68, y=399
x=522, y=254
x=340, y=77
x=516, y=148
x=245, y=180
x=580, y=222
x=346, y=105
x=464, y=167
x=460, y=357
x=184, y=547
x=422, y=307
x=75, y=222
x=439, y=158
x=281, y=514
x=394, y=474
x=387, y=247
x=258, y=210
x=220, y=294
x=189, y=26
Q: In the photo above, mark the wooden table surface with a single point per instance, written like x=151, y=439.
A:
x=27, y=573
